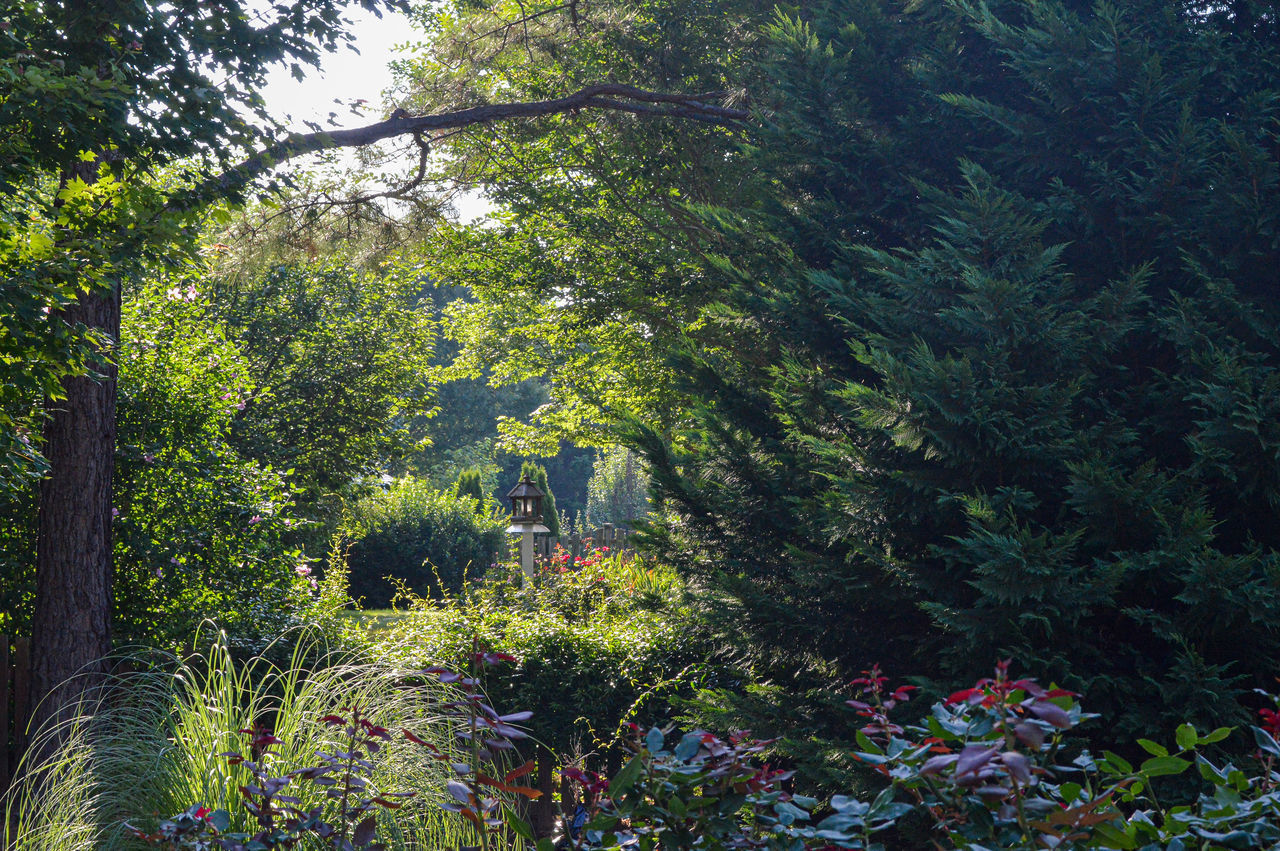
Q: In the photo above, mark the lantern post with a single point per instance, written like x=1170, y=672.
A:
x=526, y=520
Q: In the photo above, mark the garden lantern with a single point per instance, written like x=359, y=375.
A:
x=526, y=502
x=526, y=519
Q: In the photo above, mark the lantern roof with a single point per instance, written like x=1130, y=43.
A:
x=525, y=487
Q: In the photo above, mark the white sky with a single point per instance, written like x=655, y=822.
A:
x=345, y=77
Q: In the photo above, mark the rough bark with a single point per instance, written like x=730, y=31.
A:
x=71, y=626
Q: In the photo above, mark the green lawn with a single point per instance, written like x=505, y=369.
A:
x=375, y=620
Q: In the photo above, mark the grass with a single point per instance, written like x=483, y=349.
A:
x=150, y=747
x=374, y=620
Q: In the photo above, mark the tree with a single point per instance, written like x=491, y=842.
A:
x=469, y=486
x=113, y=104
x=340, y=360
x=199, y=529
x=1016, y=400
x=618, y=492
x=978, y=355
x=590, y=258
x=102, y=96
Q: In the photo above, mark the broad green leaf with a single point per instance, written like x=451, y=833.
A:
x=1117, y=762
x=653, y=740
x=1153, y=748
x=1161, y=766
x=1215, y=736
x=1186, y=736
x=626, y=776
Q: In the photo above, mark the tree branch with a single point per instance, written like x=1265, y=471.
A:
x=610, y=96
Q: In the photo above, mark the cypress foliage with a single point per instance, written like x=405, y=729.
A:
x=1009, y=382
x=470, y=486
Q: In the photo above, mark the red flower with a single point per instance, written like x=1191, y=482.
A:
x=1270, y=721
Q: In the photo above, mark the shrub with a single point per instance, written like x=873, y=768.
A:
x=470, y=486
x=600, y=641
x=425, y=538
x=993, y=766
x=199, y=531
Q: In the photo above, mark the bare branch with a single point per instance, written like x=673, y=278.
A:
x=607, y=96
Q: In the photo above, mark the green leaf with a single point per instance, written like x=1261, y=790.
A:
x=688, y=747
x=1215, y=736
x=1161, y=766
x=1265, y=742
x=1114, y=837
x=1186, y=736
x=1209, y=771
x=653, y=740
x=1117, y=762
x=517, y=824
x=882, y=801
x=1153, y=748
x=626, y=777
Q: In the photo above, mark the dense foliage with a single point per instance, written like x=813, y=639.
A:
x=974, y=347
x=199, y=530
x=618, y=492
x=410, y=536
x=598, y=641
x=341, y=360
x=98, y=101
x=962, y=347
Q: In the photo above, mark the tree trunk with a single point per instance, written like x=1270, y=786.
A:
x=71, y=625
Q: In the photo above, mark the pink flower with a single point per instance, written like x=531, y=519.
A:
x=254, y=519
x=302, y=570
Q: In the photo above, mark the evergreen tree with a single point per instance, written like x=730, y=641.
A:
x=1010, y=386
x=470, y=486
